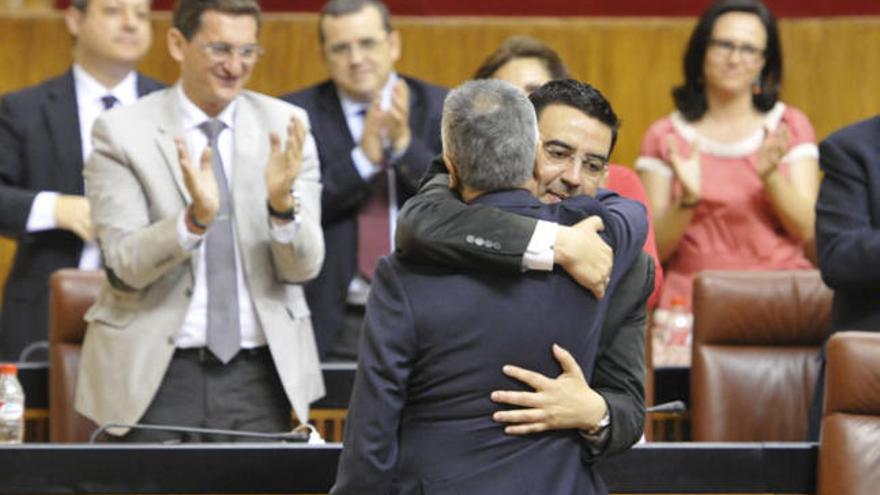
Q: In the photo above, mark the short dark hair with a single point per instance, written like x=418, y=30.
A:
x=83, y=5
x=522, y=47
x=690, y=97
x=338, y=8
x=187, y=17
x=579, y=95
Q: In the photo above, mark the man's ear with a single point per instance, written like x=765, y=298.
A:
x=73, y=18
x=453, y=176
x=176, y=43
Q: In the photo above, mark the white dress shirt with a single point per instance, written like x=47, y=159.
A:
x=89, y=106
x=194, y=331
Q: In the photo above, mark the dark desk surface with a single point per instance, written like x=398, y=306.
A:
x=292, y=468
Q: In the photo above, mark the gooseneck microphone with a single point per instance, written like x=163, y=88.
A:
x=675, y=406
x=299, y=436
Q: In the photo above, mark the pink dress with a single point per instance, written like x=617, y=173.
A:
x=734, y=226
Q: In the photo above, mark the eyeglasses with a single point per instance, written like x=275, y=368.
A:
x=366, y=45
x=560, y=154
x=723, y=49
x=221, y=52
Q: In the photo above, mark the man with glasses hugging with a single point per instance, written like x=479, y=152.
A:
x=577, y=131
x=206, y=201
x=376, y=132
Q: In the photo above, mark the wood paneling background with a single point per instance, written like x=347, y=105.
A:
x=832, y=65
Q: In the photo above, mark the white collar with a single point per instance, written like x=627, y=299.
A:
x=88, y=88
x=745, y=146
x=352, y=107
x=193, y=116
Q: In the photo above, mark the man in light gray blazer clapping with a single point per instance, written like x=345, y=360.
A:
x=206, y=202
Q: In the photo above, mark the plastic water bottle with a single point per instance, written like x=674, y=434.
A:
x=678, y=325
x=11, y=405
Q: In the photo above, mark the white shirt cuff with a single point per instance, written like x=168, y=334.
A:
x=539, y=252
x=364, y=166
x=187, y=240
x=286, y=233
x=42, y=214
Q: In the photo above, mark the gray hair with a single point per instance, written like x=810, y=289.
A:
x=490, y=133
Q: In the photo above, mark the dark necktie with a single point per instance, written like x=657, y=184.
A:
x=109, y=101
x=223, y=332
x=373, y=224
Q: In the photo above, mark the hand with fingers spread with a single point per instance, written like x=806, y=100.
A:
x=772, y=150
x=564, y=402
x=397, y=117
x=372, y=139
x=686, y=169
x=201, y=184
x=284, y=165
x=584, y=255
x=74, y=213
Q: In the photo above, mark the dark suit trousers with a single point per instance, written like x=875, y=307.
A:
x=198, y=391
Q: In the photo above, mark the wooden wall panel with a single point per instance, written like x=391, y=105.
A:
x=832, y=65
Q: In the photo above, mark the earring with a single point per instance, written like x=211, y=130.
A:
x=757, y=88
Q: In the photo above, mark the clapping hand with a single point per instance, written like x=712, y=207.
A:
x=285, y=164
x=686, y=169
x=200, y=182
x=772, y=150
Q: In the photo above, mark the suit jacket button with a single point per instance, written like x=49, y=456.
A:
x=170, y=340
x=188, y=292
x=469, y=239
x=479, y=241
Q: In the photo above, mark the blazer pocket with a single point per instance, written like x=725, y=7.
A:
x=109, y=315
x=297, y=308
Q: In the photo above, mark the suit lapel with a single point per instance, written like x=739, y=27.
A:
x=331, y=121
x=416, y=108
x=246, y=183
x=169, y=126
x=62, y=116
x=145, y=85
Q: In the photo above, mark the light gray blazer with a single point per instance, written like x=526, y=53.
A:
x=137, y=192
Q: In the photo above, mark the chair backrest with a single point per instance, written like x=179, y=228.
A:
x=71, y=293
x=755, y=361
x=849, y=446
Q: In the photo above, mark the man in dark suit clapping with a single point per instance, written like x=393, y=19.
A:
x=376, y=131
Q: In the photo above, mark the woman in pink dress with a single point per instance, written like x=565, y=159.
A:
x=732, y=175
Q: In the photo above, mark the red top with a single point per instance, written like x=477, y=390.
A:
x=625, y=182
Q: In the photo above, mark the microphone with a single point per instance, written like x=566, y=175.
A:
x=676, y=407
x=298, y=436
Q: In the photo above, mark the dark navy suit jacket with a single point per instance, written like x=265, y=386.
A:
x=40, y=150
x=848, y=224
x=434, y=342
x=345, y=191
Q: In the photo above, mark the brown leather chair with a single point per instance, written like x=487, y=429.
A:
x=72, y=292
x=849, y=446
x=755, y=353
